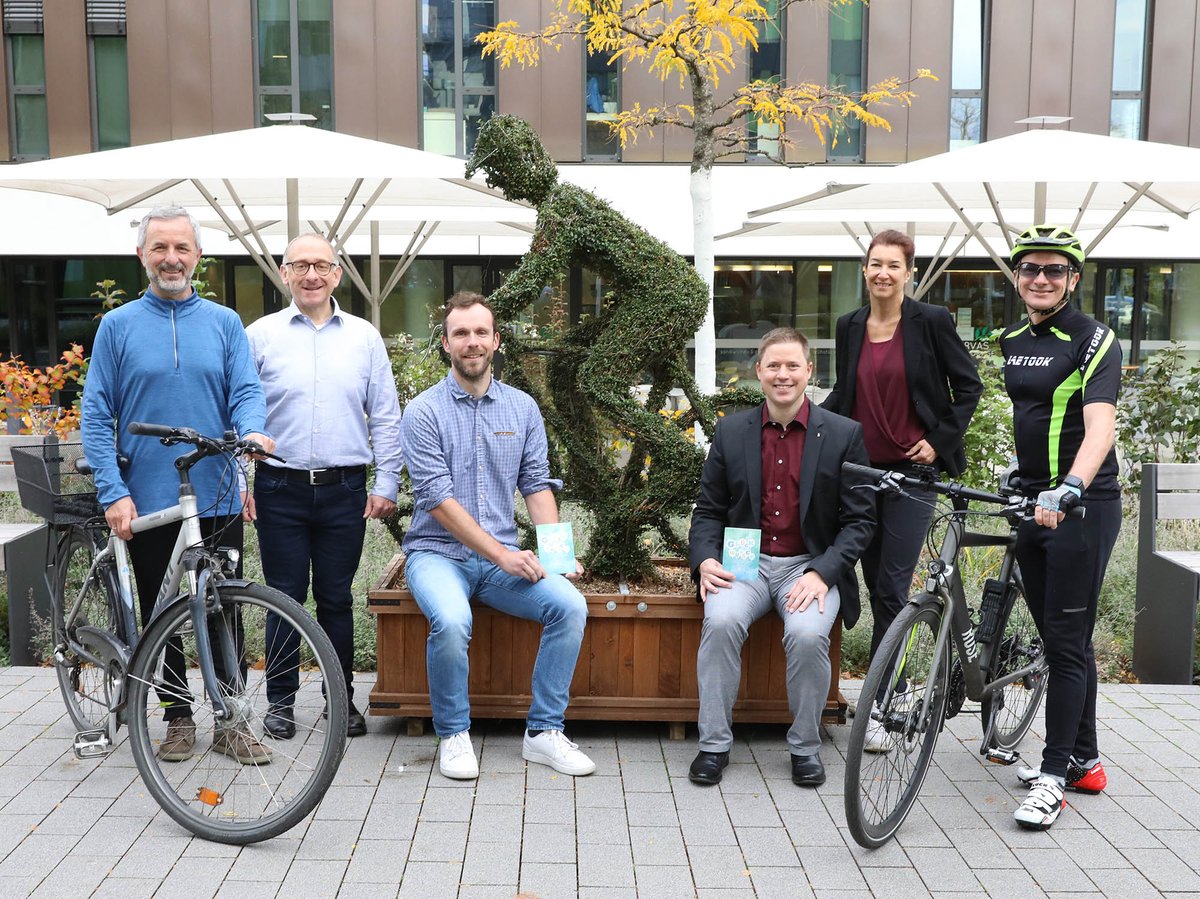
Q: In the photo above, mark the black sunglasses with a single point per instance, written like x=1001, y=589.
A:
x=1055, y=271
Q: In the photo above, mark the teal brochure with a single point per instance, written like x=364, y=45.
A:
x=740, y=555
x=556, y=548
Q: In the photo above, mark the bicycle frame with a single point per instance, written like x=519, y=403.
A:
x=945, y=584
x=185, y=560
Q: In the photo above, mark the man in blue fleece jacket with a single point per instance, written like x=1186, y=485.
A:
x=171, y=358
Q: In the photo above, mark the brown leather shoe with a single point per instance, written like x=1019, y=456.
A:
x=242, y=745
x=178, y=745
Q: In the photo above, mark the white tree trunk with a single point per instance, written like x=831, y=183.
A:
x=702, y=246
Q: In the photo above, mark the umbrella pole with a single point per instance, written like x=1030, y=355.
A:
x=293, y=209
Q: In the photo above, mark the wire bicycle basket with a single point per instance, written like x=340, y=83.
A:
x=49, y=484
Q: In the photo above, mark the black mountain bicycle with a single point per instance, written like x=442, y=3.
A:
x=205, y=646
x=913, y=685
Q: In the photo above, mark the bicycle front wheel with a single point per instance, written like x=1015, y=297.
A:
x=882, y=784
x=1010, y=711
x=83, y=597
x=239, y=785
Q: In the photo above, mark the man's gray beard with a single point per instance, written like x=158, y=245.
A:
x=158, y=282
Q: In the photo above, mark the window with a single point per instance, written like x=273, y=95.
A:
x=966, y=73
x=766, y=64
x=602, y=98
x=294, y=42
x=846, y=65
x=30, y=130
x=1127, y=115
x=110, y=73
x=458, y=85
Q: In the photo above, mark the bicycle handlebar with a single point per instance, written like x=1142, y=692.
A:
x=171, y=435
x=894, y=480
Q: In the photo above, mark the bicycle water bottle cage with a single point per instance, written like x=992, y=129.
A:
x=990, y=609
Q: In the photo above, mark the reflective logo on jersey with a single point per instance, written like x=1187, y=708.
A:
x=1035, y=361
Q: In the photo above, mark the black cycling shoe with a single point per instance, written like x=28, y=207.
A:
x=356, y=724
x=707, y=767
x=280, y=722
x=807, y=770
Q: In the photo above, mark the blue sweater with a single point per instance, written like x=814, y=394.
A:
x=172, y=362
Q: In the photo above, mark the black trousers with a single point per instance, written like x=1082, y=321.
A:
x=1063, y=569
x=303, y=529
x=891, y=557
x=149, y=553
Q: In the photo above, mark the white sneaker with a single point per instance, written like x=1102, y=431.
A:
x=551, y=747
x=457, y=759
x=877, y=739
x=1042, y=806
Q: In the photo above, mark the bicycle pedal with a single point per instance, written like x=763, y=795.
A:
x=1002, y=756
x=92, y=744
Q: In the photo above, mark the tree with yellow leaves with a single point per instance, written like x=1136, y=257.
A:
x=698, y=42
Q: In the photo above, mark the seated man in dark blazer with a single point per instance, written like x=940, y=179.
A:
x=778, y=468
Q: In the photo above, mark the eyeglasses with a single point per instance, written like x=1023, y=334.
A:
x=1055, y=272
x=301, y=268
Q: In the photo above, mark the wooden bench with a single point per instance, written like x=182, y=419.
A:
x=1168, y=581
x=637, y=662
x=23, y=559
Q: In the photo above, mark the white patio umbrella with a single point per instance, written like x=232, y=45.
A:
x=940, y=236
x=1064, y=176
x=452, y=227
x=287, y=167
x=937, y=237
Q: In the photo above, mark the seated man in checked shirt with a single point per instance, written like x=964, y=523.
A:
x=470, y=443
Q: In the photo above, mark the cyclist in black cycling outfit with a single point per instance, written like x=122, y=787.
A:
x=1062, y=371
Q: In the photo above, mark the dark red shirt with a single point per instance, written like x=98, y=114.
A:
x=782, y=449
x=882, y=404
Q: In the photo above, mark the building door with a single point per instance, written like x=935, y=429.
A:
x=30, y=314
x=1120, y=296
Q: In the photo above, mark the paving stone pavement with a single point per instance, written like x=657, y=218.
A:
x=392, y=826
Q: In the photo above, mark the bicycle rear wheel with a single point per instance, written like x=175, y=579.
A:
x=82, y=597
x=212, y=794
x=882, y=786
x=1018, y=645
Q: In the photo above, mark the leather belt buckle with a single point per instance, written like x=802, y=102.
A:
x=317, y=477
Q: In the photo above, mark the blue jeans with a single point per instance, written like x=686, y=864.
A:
x=302, y=527
x=443, y=588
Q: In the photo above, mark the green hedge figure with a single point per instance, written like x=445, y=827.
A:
x=655, y=304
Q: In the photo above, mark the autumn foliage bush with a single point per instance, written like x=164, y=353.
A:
x=27, y=388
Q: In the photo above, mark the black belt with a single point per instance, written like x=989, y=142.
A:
x=317, y=477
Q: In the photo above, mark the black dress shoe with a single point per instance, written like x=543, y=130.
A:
x=356, y=724
x=807, y=770
x=707, y=767
x=280, y=722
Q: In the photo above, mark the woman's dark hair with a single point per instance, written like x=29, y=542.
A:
x=899, y=239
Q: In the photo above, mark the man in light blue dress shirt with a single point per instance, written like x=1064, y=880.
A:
x=471, y=443
x=331, y=403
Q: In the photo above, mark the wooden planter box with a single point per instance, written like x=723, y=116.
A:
x=637, y=661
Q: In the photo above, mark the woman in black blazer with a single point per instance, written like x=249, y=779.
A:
x=904, y=374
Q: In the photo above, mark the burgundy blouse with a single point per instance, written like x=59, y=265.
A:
x=882, y=404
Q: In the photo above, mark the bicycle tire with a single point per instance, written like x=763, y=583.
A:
x=881, y=787
x=86, y=689
x=212, y=794
x=1016, y=646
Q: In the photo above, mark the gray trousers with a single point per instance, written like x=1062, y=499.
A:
x=727, y=618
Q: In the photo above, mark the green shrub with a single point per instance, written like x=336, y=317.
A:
x=989, y=439
x=1157, y=418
